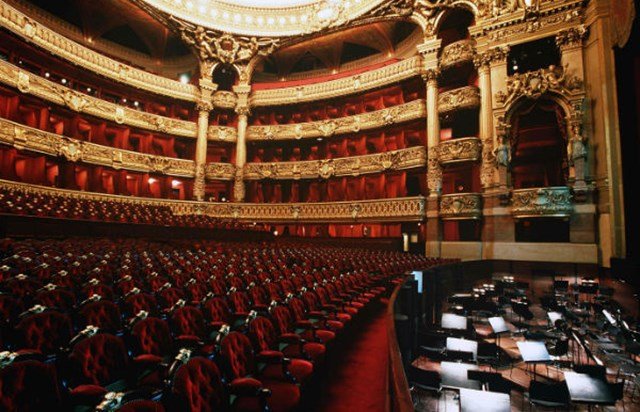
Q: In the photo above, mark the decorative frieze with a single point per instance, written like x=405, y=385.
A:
x=406, y=209
x=331, y=127
x=358, y=83
x=222, y=134
x=220, y=171
x=344, y=166
x=52, y=92
x=385, y=210
x=457, y=53
x=34, y=140
x=34, y=32
x=542, y=202
x=467, y=97
x=461, y=206
x=572, y=37
x=466, y=149
x=534, y=84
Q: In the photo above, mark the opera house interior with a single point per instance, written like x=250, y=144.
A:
x=319, y=205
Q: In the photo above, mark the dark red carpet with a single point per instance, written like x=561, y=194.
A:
x=356, y=378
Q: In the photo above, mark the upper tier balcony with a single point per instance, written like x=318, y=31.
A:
x=465, y=149
x=457, y=53
x=463, y=98
x=461, y=206
x=542, y=202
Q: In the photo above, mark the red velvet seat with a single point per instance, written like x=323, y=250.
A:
x=168, y=297
x=240, y=361
x=29, y=386
x=217, y=312
x=103, y=314
x=197, y=386
x=321, y=328
x=134, y=303
x=46, y=332
x=152, y=340
x=58, y=298
x=96, y=362
x=267, y=344
x=284, y=323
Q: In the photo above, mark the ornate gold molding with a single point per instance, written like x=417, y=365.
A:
x=542, y=202
x=457, y=53
x=26, y=138
x=572, y=37
x=343, y=166
x=534, y=84
x=220, y=171
x=52, y=92
x=350, y=124
x=358, y=83
x=466, y=149
x=27, y=28
x=222, y=134
x=407, y=209
x=492, y=56
x=461, y=206
x=467, y=97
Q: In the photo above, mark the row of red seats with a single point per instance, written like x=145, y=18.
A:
x=247, y=324
x=27, y=202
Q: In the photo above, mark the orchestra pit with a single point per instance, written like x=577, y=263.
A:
x=319, y=205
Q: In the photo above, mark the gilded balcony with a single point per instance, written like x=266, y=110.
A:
x=465, y=149
x=461, y=206
x=457, y=53
x=463, y=98
x=542, y=202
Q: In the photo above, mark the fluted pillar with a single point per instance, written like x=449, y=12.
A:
x=201, y=150
x=434, y=170
x=486, y=125
x=204, y=107
x=243, y=111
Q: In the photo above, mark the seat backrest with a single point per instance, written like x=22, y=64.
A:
x=29, y=386
x=216, y=310
x=46, y=332
x=98, y=360
x=282, y=319
x=237, y=354
x=188, y=320
x=103, y=314
x=152, y=336
x=198, y=386
x=10, y=308
x=262, y=333
x=297, y=308
x=240, y=302
x=57, y=298
x=141, y=301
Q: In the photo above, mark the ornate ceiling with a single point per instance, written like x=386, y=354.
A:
x=265, y=17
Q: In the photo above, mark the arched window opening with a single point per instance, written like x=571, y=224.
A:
x=539, y=155
x=225, y=76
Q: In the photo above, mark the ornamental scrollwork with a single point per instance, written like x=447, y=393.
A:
x=546, y=201
x=344, y=166
x=224, y=99
x=572, y=37
x=213, y=46
x=221, y=171
x=457, y=53
x=349, y=124
x=34, y=140
x=535, y=84
x=467, y=97
x=459, y=150
x=461, y=206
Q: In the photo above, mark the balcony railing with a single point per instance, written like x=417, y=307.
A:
x=461, y=206
x=457, y=53
x=467, y=97
x=542, y=202
x=466, y=149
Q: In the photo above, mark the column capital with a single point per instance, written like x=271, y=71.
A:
x=491, y=57
x=573, y=37
x=430, y=76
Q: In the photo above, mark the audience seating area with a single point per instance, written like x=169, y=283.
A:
x=133, y=325
x=17, y=201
